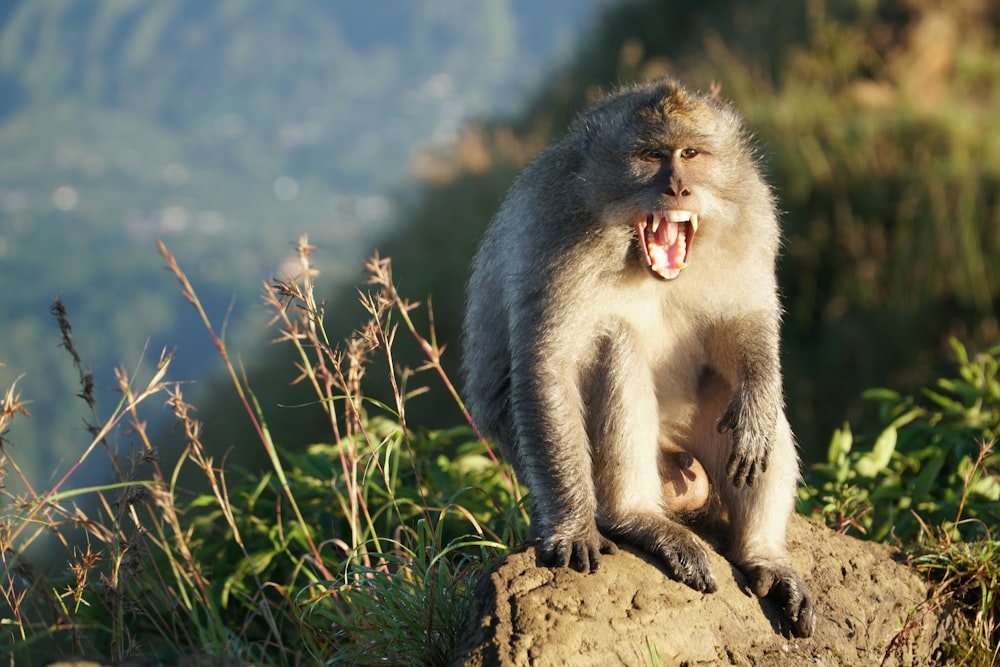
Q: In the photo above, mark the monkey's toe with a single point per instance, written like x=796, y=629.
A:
x=789, y=591
x=688, y=564
x=583, y=554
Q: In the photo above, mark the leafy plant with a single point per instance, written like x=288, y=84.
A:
x=932, y=461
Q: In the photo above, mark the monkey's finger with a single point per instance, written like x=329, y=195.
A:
x=744, y=470
x=796, y=605
x=584, y=559
x=728, y=421
x=551, y=554
x=690, y=568
x=733, y=471
x=754, y=468
x=803, y=618
x=583, y=554
x=740, y=471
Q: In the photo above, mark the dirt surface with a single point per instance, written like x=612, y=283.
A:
x=630, y=613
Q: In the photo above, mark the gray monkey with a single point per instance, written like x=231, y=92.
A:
x=623, y=305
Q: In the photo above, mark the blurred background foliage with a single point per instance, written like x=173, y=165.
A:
x=879, y=127
x=877, y=118
x=228, y=129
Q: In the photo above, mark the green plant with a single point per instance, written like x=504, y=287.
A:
x=925, y=463
x=964, y=574
x=404, y=609
x=411, y=558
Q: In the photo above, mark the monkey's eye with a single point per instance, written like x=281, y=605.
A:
x=688, y=153
x=654, y=155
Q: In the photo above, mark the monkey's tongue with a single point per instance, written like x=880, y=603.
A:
x=665, y=239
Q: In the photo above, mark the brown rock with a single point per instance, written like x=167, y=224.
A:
x=630, y=613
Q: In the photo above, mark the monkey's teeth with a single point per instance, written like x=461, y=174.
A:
x=677, y=215
x=666, y=239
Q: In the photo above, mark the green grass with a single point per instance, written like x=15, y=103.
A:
x=928, y=481
x=360, y=547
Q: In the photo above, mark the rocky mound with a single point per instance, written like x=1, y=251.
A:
x=868, y=609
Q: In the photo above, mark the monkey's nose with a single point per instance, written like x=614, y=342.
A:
x=674, y=188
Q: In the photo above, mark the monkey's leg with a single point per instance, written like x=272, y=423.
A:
x=758, y=514
x=752, y=456
x=758, y=518
x=624, y=435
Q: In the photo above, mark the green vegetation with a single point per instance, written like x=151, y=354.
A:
x=336, y=553
x=928, y=481
x=932, y=462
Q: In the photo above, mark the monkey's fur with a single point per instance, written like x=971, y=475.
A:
x=624, y=303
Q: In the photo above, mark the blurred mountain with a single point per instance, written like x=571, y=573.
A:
x=226, y=128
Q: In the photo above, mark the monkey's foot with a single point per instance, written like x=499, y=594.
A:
x=676, y=547
x=785, y=587
x=686, y=561
x=582, y=552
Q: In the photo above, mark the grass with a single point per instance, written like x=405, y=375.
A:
x=358, y=548
x=965, y=573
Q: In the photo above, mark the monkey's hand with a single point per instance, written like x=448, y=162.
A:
x=785, y=587
x=582, y=552
x=753, y=437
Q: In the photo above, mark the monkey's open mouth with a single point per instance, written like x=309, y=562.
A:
x=665, y=238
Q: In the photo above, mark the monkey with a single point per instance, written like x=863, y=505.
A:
x=624, y=296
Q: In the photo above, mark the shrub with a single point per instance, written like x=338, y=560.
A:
x=931, y=462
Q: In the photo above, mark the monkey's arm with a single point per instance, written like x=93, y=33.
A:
x=552, y=445
x=744, y=349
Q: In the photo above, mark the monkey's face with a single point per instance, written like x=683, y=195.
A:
x=660, y=166
x=667, y=186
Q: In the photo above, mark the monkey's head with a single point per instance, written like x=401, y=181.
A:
x=669, y=168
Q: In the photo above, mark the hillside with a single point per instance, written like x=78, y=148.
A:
x=324, y=507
